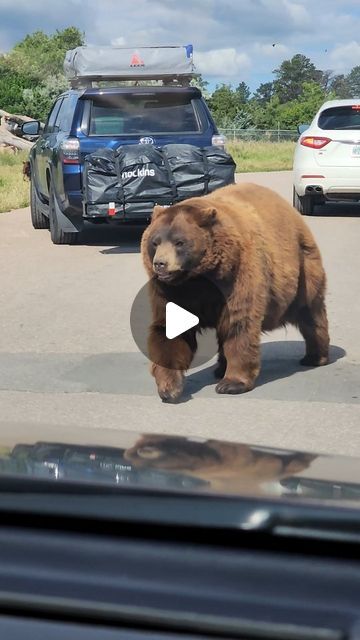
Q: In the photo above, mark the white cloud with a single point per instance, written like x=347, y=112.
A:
x=118, y=42
x=277, y=51
x=221, y=62
x=298, y=14
x=345, y=56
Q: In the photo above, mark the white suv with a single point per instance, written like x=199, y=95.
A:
x=327, y=156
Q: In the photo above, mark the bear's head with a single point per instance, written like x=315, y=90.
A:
x=223, y=464
x=179, y=241
x=170, y=453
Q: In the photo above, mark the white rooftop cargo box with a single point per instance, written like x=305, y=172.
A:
x=124, y=63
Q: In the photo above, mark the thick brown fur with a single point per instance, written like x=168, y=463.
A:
x=224, y=466
x=264, y=261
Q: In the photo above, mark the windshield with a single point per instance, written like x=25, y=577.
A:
x=179, y=288
x=340, y=118
x=143, y=115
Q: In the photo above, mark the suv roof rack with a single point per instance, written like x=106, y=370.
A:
x=169, y=65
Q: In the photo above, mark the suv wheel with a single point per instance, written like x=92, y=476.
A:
x=58, y=236
x=304, y=204
x=38, y=219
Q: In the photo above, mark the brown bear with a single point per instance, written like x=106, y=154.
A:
x=224, y=466
x=265, y=263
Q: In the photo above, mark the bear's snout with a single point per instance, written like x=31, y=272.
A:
x=160, y=266
x=165, y=261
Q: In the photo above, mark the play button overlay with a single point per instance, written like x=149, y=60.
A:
x=181, y=314
x=178, y=320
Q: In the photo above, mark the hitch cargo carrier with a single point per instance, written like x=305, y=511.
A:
x=126, y=183
x=85, y=66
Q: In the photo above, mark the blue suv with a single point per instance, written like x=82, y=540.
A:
x=84, y=120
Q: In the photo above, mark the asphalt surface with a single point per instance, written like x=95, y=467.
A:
x=70, y=370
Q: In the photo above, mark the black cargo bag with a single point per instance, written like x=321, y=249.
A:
x=220, y=167
x=150, y=175
x=186, y=165
x=101, y=184
x=143, y=174
x=198, y=171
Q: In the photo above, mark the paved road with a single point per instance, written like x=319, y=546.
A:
x=70, y=370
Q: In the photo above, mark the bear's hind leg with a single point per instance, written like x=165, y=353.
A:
x=242, y=356
x=313, y=325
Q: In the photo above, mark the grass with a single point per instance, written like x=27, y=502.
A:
x=14, y=191
x=249, y=156
x=262, y=156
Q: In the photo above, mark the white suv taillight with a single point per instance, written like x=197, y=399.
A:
x=314, y=142
x=70, y=151
x=218, y=140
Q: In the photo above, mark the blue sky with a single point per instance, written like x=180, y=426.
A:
x=232, y=38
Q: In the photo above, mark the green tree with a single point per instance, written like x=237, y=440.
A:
x=290, y=114
x=42, y=56
x=242, y=93
x=31, y=75
x=201, y=84
x=37, y=102
x=223, y=104
x=292, y=74
x=339, y=85
x=353, y=80
x=264, y=93
x=12, y=84
x=231, y=107
x=267, y=116
x=325, y=78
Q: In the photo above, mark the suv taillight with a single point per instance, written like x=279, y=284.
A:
x=314, y=142
x=70, y=151
x=218, y=140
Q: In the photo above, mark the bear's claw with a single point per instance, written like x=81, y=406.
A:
x=231, y=386
x=170, y=384
x=170, y=397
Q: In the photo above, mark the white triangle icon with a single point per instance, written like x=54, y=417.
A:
x=178, y=320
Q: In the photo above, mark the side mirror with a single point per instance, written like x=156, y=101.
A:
x=32, y=128
x=302, y=127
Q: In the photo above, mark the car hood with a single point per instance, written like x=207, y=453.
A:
x=195, y=465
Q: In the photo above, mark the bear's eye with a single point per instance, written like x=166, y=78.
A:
x=156, y=242
x=149, y=453
x=179, y=243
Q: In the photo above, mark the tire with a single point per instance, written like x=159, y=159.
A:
x=38, y=219
x=304, y=204
x=58, y=236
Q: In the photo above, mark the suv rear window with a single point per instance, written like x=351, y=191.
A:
x=143, y=114
x=340, y=118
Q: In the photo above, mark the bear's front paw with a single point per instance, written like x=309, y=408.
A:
x=170, y=384
x=171, y=395
x=231, y=386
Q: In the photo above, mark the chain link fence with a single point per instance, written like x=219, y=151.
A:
x=256, y=135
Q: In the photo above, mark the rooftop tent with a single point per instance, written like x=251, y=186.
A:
x=124, y=63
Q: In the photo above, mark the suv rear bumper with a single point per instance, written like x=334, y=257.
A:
x=333, y=186
x=132, y=212
x=75, y=207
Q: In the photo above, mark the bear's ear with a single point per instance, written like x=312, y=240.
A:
x=207, y=217
x=157, y=211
